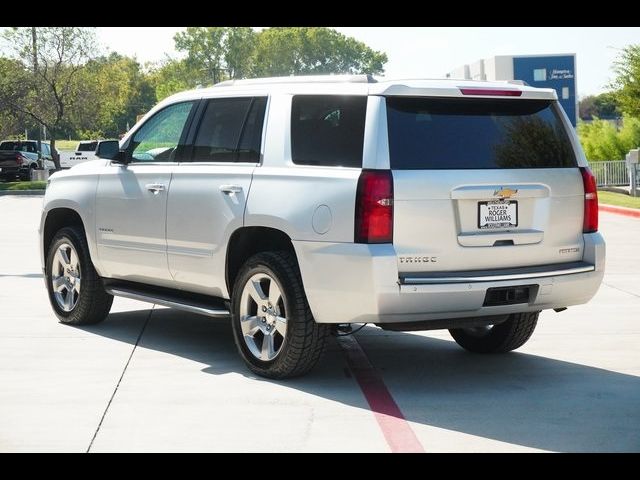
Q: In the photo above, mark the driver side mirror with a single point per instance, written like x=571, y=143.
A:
x=120, y=157
x=110, y=150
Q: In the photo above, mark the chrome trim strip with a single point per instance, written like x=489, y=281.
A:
x=211, y=312
x=497, y=278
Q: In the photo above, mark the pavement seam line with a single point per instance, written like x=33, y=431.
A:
x=621, y=290
x=396, y=430
x=124, y=370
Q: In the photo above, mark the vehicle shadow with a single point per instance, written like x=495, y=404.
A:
x=518, y=398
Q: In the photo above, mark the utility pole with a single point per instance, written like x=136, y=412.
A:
x=34, y=46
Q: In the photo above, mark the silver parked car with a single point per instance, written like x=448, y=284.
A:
x=292, y=205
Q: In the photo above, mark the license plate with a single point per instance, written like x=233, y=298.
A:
x=498, y=214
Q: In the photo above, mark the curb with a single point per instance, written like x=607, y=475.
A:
x=627, y=212
x=22, y=192
x=621, y=190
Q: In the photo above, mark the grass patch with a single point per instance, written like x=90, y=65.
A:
x=39, y=185
x=66, y=144
x=619, y=199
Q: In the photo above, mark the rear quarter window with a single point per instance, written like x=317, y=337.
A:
x=463, y=133
x=328, y=130
x=87, y=147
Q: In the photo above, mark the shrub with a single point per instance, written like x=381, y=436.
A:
x=601, y=140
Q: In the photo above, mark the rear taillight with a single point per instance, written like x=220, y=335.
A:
x=20, y=159
x=590, y=223
x=374, y=207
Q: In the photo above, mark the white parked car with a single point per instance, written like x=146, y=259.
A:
x=293, y=205
x=88, y=150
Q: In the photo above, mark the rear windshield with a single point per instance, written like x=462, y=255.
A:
x=19, y=146
x=463, y=133
x=87, y=147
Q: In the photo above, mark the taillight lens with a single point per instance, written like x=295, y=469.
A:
x=374, y=207
x=590, y=223
x=19, y=159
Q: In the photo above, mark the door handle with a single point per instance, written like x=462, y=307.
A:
x=230, y=189
x=155, y=188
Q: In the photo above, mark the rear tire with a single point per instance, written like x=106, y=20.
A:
x=268, y=300
x=501, y=338
x=78, y=296
x=26, y=175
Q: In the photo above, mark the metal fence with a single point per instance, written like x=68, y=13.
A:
x=610, y=173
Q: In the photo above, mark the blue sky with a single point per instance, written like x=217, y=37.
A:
x=430, y=52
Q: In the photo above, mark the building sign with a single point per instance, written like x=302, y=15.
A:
x=560, y=74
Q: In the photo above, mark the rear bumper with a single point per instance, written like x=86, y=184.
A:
x=6, y=171
x=359, y=283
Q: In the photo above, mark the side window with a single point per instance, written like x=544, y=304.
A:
x=45, y=150
x=221, y=129
x=158, y=139
x=251, y=139
x=328, y=130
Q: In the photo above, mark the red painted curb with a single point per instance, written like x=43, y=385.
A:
x=395, y=428
x=627, y=212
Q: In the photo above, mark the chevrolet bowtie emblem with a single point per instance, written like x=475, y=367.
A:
x=505, y=192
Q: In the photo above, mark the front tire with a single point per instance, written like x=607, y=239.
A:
x=75, y=290
x=273, y=327
x=501, y=338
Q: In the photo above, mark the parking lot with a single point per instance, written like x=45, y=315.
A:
x=156, y=379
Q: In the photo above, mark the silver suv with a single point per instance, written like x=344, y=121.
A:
x=294, y=205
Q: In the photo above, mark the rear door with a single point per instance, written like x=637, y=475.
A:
x=482, y=184
x=209, y=192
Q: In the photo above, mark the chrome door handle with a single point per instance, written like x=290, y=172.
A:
x=155, y=188
x=230, y=189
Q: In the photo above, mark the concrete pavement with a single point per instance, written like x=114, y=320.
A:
x=155, y=379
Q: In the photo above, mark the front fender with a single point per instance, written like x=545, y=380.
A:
x=74, y=191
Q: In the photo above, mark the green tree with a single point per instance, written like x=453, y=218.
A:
x=214, y=54
x=601, y=140
x=313, y=50
x=205, y=48
x=49, y=87
x=118, y=91
x=604, y=105
x=13, y=76
x=239, y=48
x=173, y=76
x=627, y=81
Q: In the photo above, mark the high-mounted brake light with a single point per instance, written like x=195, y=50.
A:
x=590, y=223
x=493, y=92
x=374, y=207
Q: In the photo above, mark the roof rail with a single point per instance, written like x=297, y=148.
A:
x=300, y=79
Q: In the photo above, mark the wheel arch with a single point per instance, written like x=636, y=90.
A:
x=246, y=242
x=56, y=219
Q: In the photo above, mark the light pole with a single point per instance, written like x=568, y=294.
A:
x=34, y=44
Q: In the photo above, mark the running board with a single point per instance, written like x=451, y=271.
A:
x=189, y=302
